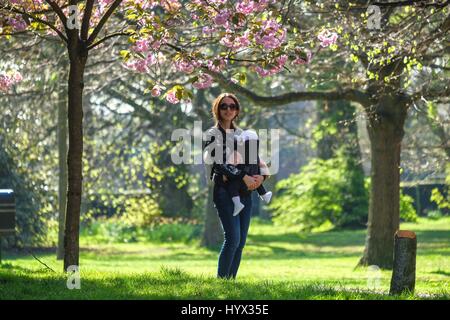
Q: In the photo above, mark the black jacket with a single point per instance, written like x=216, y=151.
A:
x=220, y=169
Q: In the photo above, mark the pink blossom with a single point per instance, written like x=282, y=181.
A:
x=204, y=81
x=184, y=66
x=17, y=23
x=156, y=91
x=141, y=65
x=272, y=34
x=171, y=97
x=302, y=60
x=327, y=38
x=246, y=7
x=222, y=17
x=141, y=45
x=207, y=30
x=217, y=65
x=236, y=42
x=7, y=80
x=280, y=62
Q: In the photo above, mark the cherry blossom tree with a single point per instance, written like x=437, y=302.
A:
x=62, y=20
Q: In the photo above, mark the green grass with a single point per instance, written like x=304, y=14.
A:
x=278, y=263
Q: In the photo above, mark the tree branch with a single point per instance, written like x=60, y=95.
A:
x=30, y=16
x=266, y=101
x=103, y=20
x=420, y=3
x=112, y=35
x=86, y=19
x=58, y=11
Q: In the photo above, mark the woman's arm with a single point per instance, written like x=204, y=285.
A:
x=229, y=170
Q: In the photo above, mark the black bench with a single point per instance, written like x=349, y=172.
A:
x=7, y=214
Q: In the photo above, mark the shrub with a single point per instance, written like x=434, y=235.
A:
x=114, y=230
x=434, y=214
x=407, y=211
x=326, y=191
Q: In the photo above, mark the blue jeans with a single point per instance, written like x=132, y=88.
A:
x=235, y=231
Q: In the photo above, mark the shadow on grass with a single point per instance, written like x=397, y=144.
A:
x=168, y=284
x=346, y=238
x=441, y=272
x=329, y=238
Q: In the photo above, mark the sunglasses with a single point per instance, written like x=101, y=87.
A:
x=224, y=106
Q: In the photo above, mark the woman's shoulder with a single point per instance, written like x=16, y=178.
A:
x=213, y=131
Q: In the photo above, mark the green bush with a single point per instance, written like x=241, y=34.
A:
x=434, y=214
x=116, y=231
x=328, y=193
x=407, y=211
x=325, y=192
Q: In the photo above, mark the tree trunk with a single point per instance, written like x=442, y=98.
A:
x=62, y=190
x=404, y=273
x=78, y=57
x=213, y=233
x=385, y=127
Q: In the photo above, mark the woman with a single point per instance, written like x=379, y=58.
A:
x=225, y=110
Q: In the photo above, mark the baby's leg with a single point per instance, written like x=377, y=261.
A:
x=261, y=190
x=263, y=194
x=233, y=189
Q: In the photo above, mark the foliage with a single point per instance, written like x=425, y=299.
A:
x=34, y=202
x=323, y=192
x=407, y=211
x=442, y=200
x=434, y=214
x=326, y=193
x=116, y=230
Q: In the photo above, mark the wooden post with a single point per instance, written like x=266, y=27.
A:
x=404, y=270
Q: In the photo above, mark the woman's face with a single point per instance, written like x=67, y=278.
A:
x=229, y=114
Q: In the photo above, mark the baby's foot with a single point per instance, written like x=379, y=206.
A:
x=266, y=197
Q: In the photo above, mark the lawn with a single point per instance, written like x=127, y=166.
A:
x=278, y=263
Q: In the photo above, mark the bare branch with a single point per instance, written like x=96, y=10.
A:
x=57, y=9
x=103, y=20
x=267, y=101
x=112, y=35
x=86, y=19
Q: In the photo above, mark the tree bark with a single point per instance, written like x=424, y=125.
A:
x=213, y=233
x=404, y=273
x=62, y=189
x=385, y=127
x=78, y=56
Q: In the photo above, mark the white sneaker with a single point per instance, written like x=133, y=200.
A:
x=237, y=208
x=266, y=197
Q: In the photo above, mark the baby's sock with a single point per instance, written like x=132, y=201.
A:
x=238, y=206
x=266, y=197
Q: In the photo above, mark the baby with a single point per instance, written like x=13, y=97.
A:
x=250, y=165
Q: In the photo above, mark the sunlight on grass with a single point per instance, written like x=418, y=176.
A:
x=278, y=263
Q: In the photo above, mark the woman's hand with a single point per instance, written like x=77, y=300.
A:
x=259, y=180
x=250, y=182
